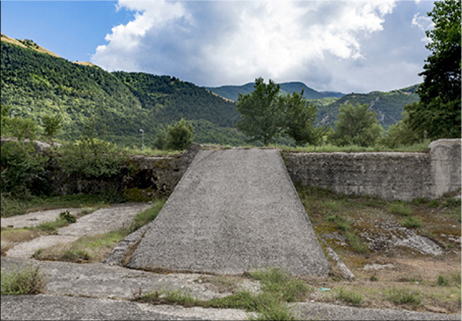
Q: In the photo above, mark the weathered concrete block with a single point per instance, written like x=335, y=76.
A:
x=445, y=165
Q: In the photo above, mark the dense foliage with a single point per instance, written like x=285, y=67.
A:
x=356, y=125
x=179, y=136
x=439, y=111
x=37, y=85
x=388, y=105
x=266, y=115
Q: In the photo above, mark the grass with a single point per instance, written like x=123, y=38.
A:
x=24, y=280
x=402, y=296
x=412, y=222
x=350, y=297
x=64, y=219
x=422, y=147
x=278, y=289
x=94, y=248
x=147, y=151
x=400, y=208
x=148, y=215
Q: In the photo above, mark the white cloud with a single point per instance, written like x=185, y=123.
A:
x=424, y=23
x=221, y=42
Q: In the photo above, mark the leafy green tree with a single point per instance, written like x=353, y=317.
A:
x=299, y=117
x=356, y=125
x=52, y=124
x=180, y=135
x=261, y=112
x=401, y=134
x=161, y=140
x=439, y=111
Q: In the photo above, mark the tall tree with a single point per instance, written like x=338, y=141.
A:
x=439, y=111
x=300, y=115
x=261, y=112
x=356, y=125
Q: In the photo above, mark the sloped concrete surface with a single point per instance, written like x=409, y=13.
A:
x=232, y=211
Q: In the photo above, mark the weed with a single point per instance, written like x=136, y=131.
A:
x=275, y=280
x=356, y=243
x=373, y=278
x=341, y=223
x=404, y=296
x=68, y=217
x=51, y=226
x=25, y=280
x=412, y=222
x=442, y=280
x=456, y=278
x=400, y=208
x=433, y=204
x=350, y=297
x=74, y=256
x=419, y=201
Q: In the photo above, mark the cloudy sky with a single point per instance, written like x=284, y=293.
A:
x=347, y=46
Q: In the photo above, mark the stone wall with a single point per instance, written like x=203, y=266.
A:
x=153, y=175
x=391, y=176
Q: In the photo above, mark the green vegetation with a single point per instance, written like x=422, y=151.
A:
x=350, y=297
x=64, y=219
x=265, y=115
x=356, y=125
x=23, y=280
x=179, y=136
x=402, y=296
x=143, y=218
x=438, y=114
x=400, y=208
x=278, y=288
x=412, y=222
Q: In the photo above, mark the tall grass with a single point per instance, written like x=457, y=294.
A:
x=23, y=280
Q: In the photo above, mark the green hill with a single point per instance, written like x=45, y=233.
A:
x=35, y=84
x=388, y=105
x=232, y=92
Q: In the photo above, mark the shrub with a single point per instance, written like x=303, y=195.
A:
x=52, y=124
x=179, y=136
x=412, y=222
x=350, y=297
x=68, y=217
x=404, y=296
x=22, y=168
x=400, y=208
x=25, y=280
x=92, y=157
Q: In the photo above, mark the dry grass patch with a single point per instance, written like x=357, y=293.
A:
x=86, y=249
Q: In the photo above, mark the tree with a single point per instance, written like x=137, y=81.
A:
x=299, y=119
x=180, y=135
x=401, y=134
x=439, y=110
x=356, y=125
x=261, y=113
x=52, y=125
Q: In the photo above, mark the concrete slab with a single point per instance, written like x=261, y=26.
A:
x=233, y=210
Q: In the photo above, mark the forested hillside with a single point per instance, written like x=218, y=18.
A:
x=232, y=92
x=388, y=105
x=35, y=84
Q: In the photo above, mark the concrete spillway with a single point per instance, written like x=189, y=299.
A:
x=233, y=210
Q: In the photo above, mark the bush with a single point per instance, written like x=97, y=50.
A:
x=400, y=208
x=412, y=222
x=403, y=296
x=68, y=217
x=350, y=297
x=22, y=168
x=179, y=136
x=92, y=158
x=27, y=280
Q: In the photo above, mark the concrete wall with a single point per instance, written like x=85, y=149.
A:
x=400, y=176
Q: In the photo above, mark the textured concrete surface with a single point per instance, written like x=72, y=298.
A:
x=388, y=175
x=232, y=211
x=99, y=222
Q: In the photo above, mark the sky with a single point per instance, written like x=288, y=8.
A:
x=346, y=46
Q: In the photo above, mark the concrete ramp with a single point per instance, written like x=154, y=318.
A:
x=233, y=210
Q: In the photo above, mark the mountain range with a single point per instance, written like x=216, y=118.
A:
x=36, y=82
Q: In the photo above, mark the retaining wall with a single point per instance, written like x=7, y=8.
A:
x=391, y=176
